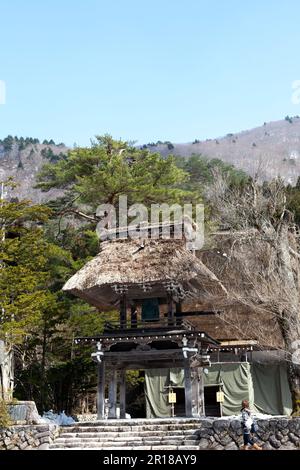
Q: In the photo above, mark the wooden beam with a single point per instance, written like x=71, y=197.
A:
x=112, y=395
x=123, y=394
x=170, y=311
x=188, y=389
x=123, y=311
x=151, y=365
x=101, y=390
x=201, y=391
x=199, y=313
x=152, y=354
x=178, y=314
x=133, y=317
x=196, y=392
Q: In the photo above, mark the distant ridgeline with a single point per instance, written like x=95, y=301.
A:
x=21, y=158
x=265, y=152
x=22, y=142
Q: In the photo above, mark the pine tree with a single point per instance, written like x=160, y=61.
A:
x=23, y=278
x=108, y=169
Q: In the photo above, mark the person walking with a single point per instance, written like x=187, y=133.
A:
x=249, y=427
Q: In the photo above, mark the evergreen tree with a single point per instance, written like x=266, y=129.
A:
x=108, y=169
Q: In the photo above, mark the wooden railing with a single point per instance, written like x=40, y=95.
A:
x=161, y=323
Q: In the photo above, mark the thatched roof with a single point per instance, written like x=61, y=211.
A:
x=236, y=322
x=143, y=269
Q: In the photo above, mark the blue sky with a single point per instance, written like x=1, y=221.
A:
x=146, y=70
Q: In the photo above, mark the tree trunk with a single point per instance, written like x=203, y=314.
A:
x=289, y=321
x=291, y=336
x=43, y=370
x=294, y=383
x=6, y=372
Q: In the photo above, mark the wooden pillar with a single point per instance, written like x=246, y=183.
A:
x=123, y=312
x=178, y=314
x=188, y=389
x=101, y=391
x=112, y=395
x=201, y=391
x=133, y=317
x=196, y=392
x=170, y=311
x=123, y=394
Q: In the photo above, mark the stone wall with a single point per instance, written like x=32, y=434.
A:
x=274, y=433
x=28, y=437
x=87, y=418
x=211, y=433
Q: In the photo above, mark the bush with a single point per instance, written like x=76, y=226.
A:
x=4, y=415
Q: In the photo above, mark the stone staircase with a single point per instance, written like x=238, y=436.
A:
x=133, y=434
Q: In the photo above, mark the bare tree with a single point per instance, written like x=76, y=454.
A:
x=260, y=263
x=6, y=351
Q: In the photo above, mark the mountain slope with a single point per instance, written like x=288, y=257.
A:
x=270, y=150
x=22, y=160
x=267, y=151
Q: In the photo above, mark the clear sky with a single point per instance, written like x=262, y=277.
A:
x=146, y=70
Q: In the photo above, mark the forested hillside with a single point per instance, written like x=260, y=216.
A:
x=43, y=245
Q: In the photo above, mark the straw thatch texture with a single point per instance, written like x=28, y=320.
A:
x=238, y=322
x=143, y=269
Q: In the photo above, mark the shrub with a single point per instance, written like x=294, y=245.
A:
x=4, y=415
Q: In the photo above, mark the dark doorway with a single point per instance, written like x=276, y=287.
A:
x=135, y=395
x=179, y=407
x=212, y=407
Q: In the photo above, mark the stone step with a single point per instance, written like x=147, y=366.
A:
x=136, y=440
x=165, y=434
x=163, y=427
x=124, y=445
x=126, y=434
x=154, y=448
x=139, y=422
x=99, y=445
